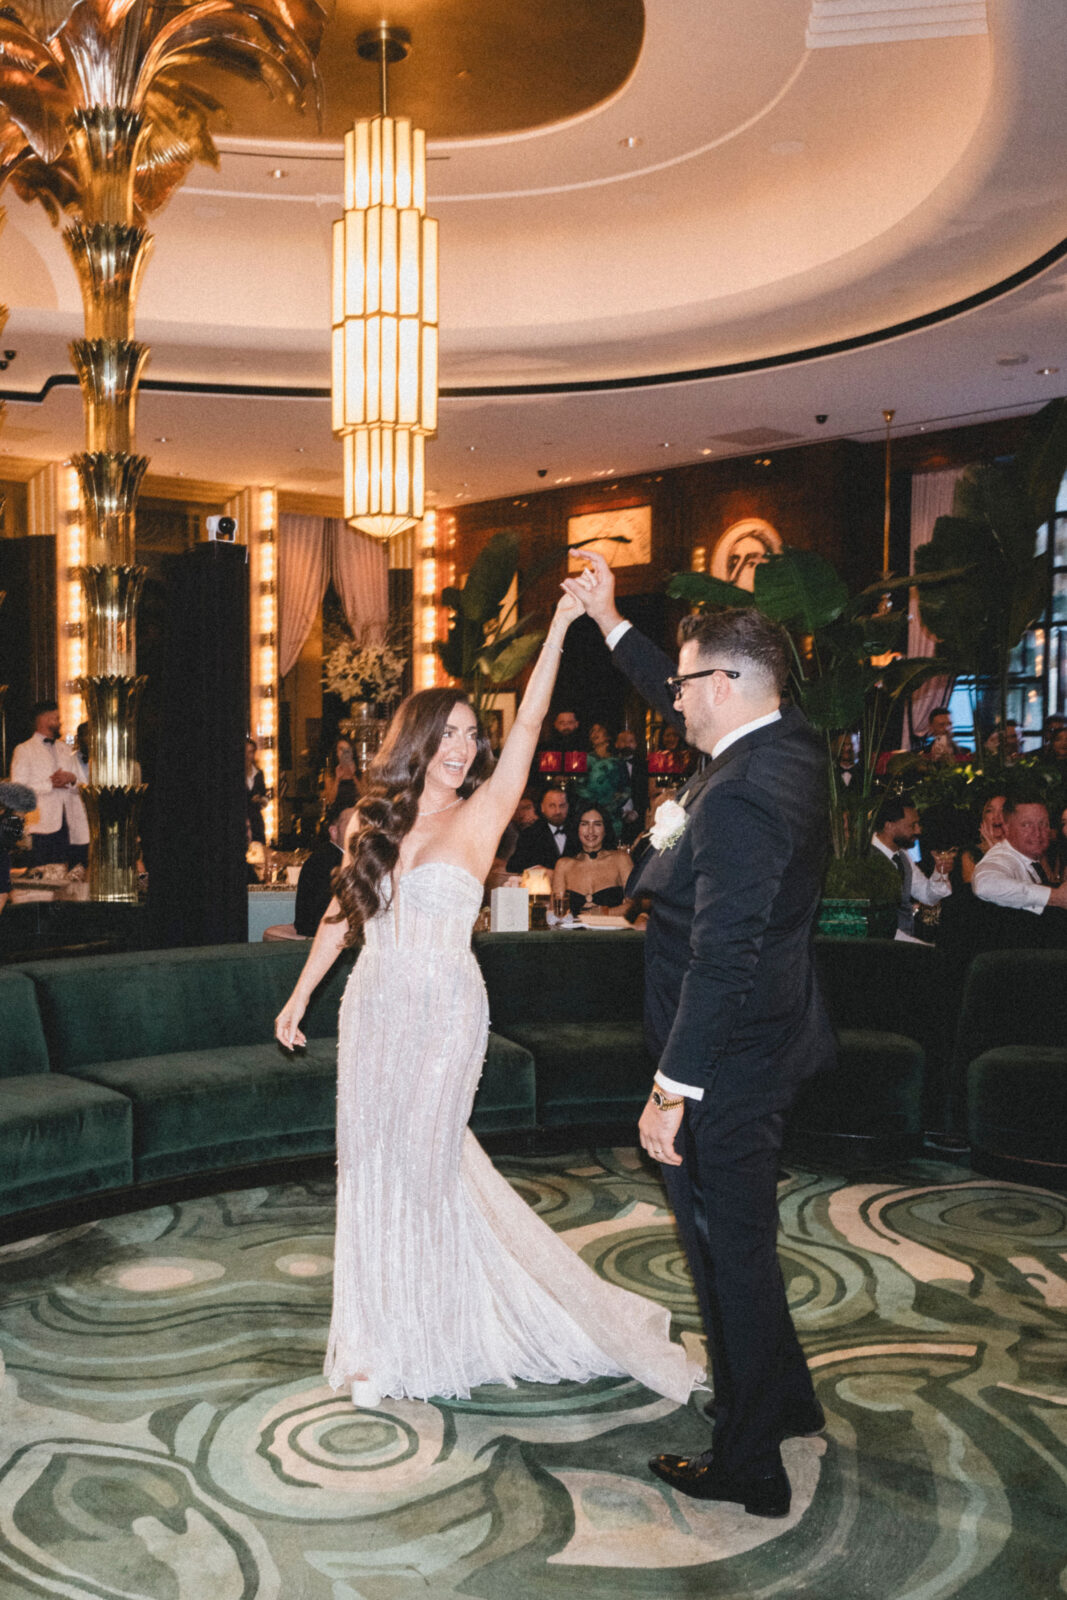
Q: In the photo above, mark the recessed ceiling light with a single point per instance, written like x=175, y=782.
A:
x=1046, y=372
x=300, y=450
x=666, y=445
x=631, y=141
x=163, y=439
x=472, y=447
x=1017, y=358
x=705, y=451
x=278, y=172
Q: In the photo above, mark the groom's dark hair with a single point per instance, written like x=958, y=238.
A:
x=740, y=633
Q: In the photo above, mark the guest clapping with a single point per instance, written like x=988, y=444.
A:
x=597, y=875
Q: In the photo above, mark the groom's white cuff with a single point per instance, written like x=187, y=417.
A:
x=673, y=1087
x=611, y=639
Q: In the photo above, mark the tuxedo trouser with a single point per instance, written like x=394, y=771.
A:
x=725, y=1202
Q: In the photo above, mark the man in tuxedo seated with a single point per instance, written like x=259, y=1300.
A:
x=899, y=827
x=636, y=804
x=314, y=888
x=544, y=841
x=1011, y=874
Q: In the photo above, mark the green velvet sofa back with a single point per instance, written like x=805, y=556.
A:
x=119, y=1008
x=542, y=978
x=1013, y=997
x=23, y=1049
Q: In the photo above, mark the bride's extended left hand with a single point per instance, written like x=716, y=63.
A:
x=569, y=607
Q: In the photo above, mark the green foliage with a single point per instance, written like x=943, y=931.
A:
x=835, y=681
x=487, y=648
x=868, y=877
x=1000, y=586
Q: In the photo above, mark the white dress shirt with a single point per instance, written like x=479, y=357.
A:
x=1005, y=877
x=33, y=764
x=928, y=891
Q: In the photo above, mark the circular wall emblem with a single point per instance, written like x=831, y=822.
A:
x=741, y=548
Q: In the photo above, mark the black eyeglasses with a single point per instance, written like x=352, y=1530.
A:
x=676, y=685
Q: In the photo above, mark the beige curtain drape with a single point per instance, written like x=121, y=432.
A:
x=303, y=574
x=359, y=567
x=311, y=552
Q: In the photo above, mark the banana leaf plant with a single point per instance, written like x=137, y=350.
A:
x=490, y=645
x=848, y=670
x=991, y=540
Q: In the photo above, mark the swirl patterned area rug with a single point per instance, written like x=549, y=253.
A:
x=165, y=1432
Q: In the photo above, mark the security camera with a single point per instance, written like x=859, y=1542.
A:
x=223, y=529
x=542, y=472
x=821, y=416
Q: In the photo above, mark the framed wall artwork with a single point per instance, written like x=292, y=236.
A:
x=633, y=523
x=498, y=713
x=741, y=548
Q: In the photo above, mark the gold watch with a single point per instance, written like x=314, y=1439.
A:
x=663, y=1102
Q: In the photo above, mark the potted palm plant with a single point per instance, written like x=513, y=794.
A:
x=848, y=673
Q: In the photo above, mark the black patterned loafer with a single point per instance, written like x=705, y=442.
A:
x=767, y=1495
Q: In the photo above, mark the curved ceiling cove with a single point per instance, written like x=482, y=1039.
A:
x=477, y=68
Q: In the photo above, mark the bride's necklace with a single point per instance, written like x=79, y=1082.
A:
x=438, y=810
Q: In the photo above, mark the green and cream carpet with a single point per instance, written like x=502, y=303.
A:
x=165, y=1433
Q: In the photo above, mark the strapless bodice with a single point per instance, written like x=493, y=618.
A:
x=432, y=909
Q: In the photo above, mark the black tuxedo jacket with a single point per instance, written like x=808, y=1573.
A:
x=536, y=847
x=729, y=954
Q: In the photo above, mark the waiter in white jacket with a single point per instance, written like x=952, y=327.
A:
x=59, y=829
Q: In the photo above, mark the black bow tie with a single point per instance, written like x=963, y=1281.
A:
x=49, y=741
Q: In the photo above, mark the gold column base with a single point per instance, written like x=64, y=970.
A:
x=113, y=816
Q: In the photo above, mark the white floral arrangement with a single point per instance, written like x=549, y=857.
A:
x=360, y=670
x=669, y=825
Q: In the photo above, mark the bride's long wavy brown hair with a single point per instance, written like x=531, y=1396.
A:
x=390, y=805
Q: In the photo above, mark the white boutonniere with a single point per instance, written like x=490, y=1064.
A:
x=669, y=825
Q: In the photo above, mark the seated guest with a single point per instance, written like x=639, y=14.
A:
x=899, y=827
x=636, y=777
x=525, y=814
x=314, y=888
x=990, y=832
x=256, y=790
x=597, y=875
x=1007, y=742
x=544, y=841
x=1054, y=752
x=16, y=799
x=1011, y=874
x=566, y=732
x=605, y=783
x=1056, y=855
x=340, y=781
x=844, y=761
x=939, y=745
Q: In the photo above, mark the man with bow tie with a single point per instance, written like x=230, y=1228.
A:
x=733, y=1013
x=544, y=841
x=59, y=830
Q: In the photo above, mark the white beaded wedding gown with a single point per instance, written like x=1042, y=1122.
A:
x=443, y=1277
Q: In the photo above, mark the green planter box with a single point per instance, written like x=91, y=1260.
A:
x=857, y=919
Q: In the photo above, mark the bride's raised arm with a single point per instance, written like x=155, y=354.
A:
x=497, y=798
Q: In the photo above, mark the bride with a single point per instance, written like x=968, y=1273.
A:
x=443, y=1277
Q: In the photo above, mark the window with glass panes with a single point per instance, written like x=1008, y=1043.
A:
x=1038, y=683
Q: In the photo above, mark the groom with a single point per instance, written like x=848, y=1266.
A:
x=732, y=1012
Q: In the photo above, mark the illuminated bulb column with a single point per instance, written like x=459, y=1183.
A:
x=384, y=325
x=424, y=632
x=256, y=511
x=70, y=602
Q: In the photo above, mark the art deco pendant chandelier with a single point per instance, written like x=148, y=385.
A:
x=384, y=368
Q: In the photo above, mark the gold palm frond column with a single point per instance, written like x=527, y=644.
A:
x=97, y=120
